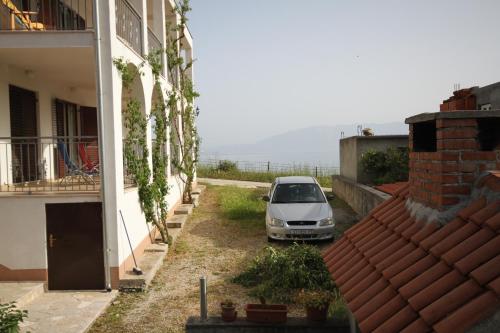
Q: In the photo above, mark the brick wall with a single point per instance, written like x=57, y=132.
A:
x=461, y=100
x=442, y=178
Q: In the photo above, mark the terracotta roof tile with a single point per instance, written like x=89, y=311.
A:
x=485, y=213
x=479, y=256
x=472, y=208
x=468, y=245
x=494, y=222
x=394, y=257
x=468, y=315
x=450, y=302
x=382, y=313
x=400, y=275
x=425, y=232
x=413, y=271
x=495, y=286
x=454, y=239
x=418, y=326
x=392, y=188
x=375, y=302
x=399, y=321
x=442, y=233
x=488, y=271
x=436, y=290
x=404, y=263
x=367, y=294
x=365, y=283
x=424, y=279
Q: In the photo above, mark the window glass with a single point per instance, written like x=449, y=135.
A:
x=298, y=193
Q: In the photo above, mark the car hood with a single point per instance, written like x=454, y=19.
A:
x=300, y=211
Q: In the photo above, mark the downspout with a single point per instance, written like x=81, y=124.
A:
x=100, y=126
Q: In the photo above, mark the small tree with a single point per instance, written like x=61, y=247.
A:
x=386, y=166
x=182, y=117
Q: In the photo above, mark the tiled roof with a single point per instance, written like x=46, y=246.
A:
x=402, y=275
x=391, y=188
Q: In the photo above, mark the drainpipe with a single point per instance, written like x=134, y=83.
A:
x=100, y=126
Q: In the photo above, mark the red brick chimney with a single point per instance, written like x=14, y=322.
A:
x=448, y=151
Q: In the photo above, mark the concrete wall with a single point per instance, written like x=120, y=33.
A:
x=489, y=94
x=23, y=229
x=361, y=198
x=353, y=148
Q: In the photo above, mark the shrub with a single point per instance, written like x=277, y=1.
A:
x=386, y=167
x=226, y=166
x=279, y=274
x=10, y=317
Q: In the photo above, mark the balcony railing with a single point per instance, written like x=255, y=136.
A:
x=154, y=44
x=128, y=25
x=46, y=15
x=49, y=164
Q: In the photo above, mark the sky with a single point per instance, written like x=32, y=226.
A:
x=265, y=67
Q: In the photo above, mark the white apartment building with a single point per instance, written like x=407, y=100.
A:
x=60, y=196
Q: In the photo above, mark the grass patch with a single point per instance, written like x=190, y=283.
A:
x=256, y=176
x=181, y=247
x=241, y=206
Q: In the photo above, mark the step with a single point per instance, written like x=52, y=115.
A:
x=199, y=189
x=176, y=221
x=184, y=209
x=22, y=293
x=149, y=263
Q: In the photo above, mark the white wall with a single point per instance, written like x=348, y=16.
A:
x=23, y=229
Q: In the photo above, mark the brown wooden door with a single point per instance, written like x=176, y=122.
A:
x=23, y=124
x=75, y=246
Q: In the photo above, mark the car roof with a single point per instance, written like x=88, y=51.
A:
x=296, y=180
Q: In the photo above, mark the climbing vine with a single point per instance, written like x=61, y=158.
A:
x=182, y=115
x=136, y=151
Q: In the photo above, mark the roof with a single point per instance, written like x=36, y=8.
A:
x=402, y=275
x=391, y=188
x=296, y=180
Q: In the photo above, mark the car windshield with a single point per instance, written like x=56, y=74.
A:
x=298, y=193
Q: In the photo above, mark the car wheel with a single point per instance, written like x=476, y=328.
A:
x=270, y=240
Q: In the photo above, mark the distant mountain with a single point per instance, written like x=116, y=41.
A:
x=312, y=145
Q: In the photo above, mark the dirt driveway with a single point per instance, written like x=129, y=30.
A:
x=221, y=237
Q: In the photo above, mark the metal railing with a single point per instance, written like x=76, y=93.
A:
x=299, y=169
x=129, y=25
x=43, y=15
x=154, y=45
x=49, y=164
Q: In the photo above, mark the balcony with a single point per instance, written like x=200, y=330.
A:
x=129, y=25
x=49, y=164
x=41, y=15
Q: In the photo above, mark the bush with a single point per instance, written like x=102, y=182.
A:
x=279, y=274
x=386, y=167
x=10, y=317
x=226, y=166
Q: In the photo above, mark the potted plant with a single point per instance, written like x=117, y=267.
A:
x=228, y=310
x=266, y=313
x=10, y=317
x=316, y=303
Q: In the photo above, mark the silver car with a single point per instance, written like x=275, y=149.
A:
x=297, y=209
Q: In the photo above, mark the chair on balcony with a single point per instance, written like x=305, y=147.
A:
x=73, y=171
x=89, y=166
x=21, y=17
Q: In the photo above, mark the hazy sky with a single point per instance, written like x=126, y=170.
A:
x=268, y=66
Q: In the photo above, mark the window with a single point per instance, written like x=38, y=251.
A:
x=298, y=193
x=424, y=136
x=488, y=133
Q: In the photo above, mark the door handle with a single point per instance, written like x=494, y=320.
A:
x=51, y=240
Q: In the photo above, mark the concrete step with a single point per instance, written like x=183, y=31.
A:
x=149, y=263
x=176, y=221
x=199, y=189
x=184, y=209
x=23, y=293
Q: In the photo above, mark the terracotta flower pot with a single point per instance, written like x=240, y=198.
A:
x=266, y=313
x=228, y=313
x=317, y=314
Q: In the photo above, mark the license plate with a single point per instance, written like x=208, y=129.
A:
x=302, y=232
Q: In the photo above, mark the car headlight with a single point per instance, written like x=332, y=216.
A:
x=277, y=223
x=327, y=221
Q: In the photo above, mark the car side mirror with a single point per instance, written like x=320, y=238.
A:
x=266, y=198
x=330, y=197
